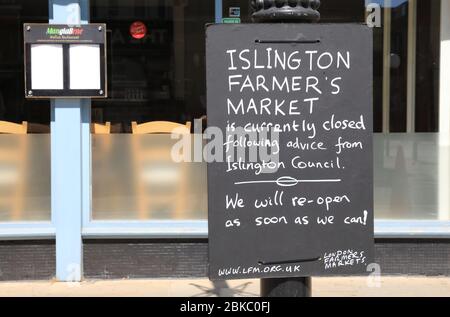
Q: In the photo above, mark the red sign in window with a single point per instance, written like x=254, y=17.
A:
x=138, y=30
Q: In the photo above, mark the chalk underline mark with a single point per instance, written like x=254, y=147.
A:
x=290, y=261
x=258, y=41
x=288, y=181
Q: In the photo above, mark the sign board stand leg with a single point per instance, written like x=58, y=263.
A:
x=286, y=287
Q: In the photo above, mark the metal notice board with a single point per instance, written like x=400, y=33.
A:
x=63, y=61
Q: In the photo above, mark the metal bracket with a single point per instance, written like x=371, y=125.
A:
x=285, y=10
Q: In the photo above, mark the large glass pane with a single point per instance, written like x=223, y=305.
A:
x=24, y=177
x=160, y=76
x=24, y=124
x=406, y=177
x=156, y=58
x=136, y=178
x=398, y=62
x=427, y=66
x=406, y=100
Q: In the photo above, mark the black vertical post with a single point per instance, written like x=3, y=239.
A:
x=286, y=11
x=286, y=287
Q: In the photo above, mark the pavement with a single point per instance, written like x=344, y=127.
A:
x=322, y=287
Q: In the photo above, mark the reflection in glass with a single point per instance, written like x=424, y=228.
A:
x=25, y=178
x=161, y=75
x=406, y=177
x=135, y=178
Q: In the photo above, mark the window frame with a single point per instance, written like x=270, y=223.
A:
x=199, y=228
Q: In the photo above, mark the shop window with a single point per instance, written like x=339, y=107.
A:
x=24, y=124
x=156, y=73
x=407, y=156
x=156, y=64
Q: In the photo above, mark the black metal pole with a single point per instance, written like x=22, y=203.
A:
x=287, y=11
x=286, y=287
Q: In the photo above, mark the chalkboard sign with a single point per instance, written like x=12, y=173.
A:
x=293, y=193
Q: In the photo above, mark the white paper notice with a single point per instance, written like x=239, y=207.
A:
x=84, y=66
x=47, y=66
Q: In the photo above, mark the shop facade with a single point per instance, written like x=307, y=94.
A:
x=88, y=189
